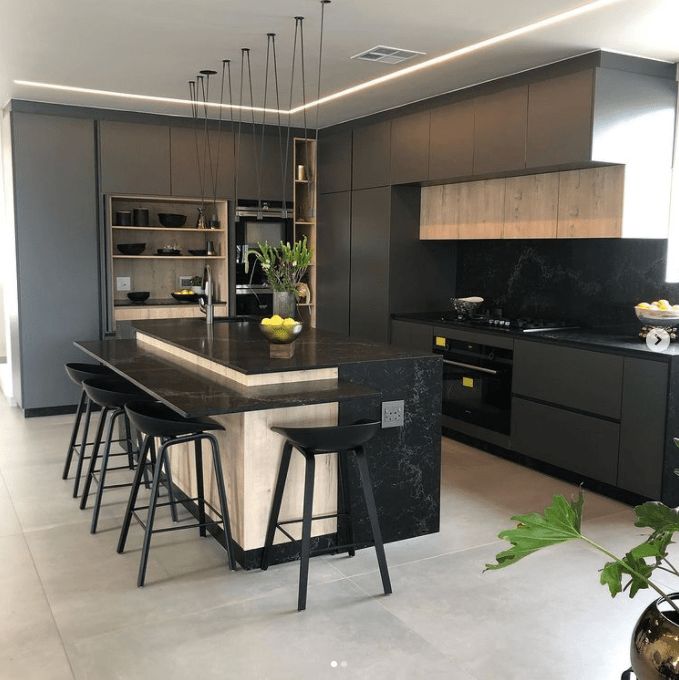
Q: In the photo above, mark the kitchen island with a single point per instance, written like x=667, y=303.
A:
x=225, y=371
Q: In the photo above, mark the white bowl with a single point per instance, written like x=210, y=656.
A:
x=657, y=317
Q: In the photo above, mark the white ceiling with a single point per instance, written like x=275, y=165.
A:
x=154, y=47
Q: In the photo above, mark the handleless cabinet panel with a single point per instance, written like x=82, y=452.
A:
x=370, y=232
x=531, y=203
x=415, y=336
x=371, y=155
x=434, y=222
x=334, y=161
x=451, y=141
x=333, y=260
x=642, y=428
x=261, y=172
x=575, y=378
x=185, y=168
x=560, y=120
x=591, y=202
x=410, y=148
x=480, y=208
x=500, y=124
x=135, y=158
x=575, y=442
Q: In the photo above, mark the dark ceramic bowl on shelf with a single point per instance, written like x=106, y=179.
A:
x=168, y=251
x=131, y=248
x=185, y=297
x=138, y=297
x=198, y=253
x=172, y=220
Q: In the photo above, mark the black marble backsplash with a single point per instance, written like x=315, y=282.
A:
x=590, y=282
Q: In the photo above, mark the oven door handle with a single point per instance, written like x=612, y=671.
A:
x=481, y=369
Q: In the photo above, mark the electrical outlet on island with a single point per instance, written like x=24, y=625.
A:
x=123, y=283
x=392, y=413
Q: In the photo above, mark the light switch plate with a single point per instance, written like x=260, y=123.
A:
x=123, y=283
x=392, y=413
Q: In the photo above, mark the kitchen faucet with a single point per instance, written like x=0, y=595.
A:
x=208, y=308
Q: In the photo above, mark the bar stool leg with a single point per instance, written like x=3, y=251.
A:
x=128, y=444
x=345, y=499
x=306, y=530
x=74, y=434
x=104, y=468
x=170, y=489
x=276, y=504
x=134, y=491
x=83, y=447
x=366, y=484
x=153, y=500
x=199, y=484
x=224, y=507
x=94, y=456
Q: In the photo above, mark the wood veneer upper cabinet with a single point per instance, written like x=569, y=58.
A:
x=591, y=202
x=135, y=158
x=334, y=161
x=434, y=223
x=500, y=124
x=451, y=141
x=371, y=154
x=185, y=173
x=480, y=208
x=560, y=120
x=410, y=148
x=531, y=206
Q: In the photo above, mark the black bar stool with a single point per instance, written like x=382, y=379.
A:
x=111, y=394
x=78, y=372
x=311, y=442
x=157, y=420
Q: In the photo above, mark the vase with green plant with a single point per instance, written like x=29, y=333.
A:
x=654, y=649
x=284, y=267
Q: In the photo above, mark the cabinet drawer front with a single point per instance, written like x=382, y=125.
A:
x=582, y=444
x=579, y=379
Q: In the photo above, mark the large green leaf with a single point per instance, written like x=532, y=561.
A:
x=657, y=516
x=632, y=566
x=560, y=522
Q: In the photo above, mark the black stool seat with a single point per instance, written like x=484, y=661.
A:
x=157, y=420
x=345, y=440
x=113, y=391
x=330, y=439
x=79, y=372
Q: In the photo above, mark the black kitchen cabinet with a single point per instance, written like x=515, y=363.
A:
x=560, y=120
x=334, y=161
x=500, y=124
x=370, y=155
x=261, y=173
x=333, y=261
x=409, y=148
x=642, y=428
x=415, y=336
x=54, y=172
x=451, y=141
x=370, y=230
x=184, y=165
x=565, y=376
x=134, y=158
x=573, y=441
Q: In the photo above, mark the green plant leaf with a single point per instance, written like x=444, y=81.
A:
x=632, y=566
x=657, y=516
x=560, y=522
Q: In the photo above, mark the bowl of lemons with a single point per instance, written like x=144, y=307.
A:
x=657, y=313
x=280, y=331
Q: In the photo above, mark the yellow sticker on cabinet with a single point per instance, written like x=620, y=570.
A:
x=440, y=342
x=467, y=382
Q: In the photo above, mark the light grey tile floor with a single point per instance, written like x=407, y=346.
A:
x=70, y=607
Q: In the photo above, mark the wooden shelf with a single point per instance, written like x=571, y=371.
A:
x=305, y=222
x=302, y=181
x=168, y=257
x=132, y=228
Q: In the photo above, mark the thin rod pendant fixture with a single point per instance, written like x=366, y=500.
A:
x=320, y=64
x=269, y=37
x=200, y=86
x=207, y=161
x=279, y=127
x=254, y=136
x=240, y=122
x=289, y=120
x=194, y=113
x=219, y=135
x=301, y=52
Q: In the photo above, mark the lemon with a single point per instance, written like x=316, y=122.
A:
x=289, y=322
x=276, y=320
x=644, y=305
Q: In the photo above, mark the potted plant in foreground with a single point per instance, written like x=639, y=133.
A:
x=284, y=266
x=655, y=641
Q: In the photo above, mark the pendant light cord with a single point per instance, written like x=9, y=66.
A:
x=219, y=135
x=194, y=113
x=320, y=65
x=266, y=91
x=292, y=84
x=254, y=131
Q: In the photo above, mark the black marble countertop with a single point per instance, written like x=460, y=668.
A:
x=193, y=391
x=613, y=339
x=240, y=345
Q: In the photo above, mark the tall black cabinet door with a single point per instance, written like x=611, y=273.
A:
x=260, y=173
x=410, y=148
x=451, y=141
x=334, y=161
x=370, y=227
x=371, y=155
x=333, y=259
x=135, y=158
x=57, y=251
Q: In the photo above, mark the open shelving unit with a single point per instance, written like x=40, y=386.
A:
x=304, y=211
x=159, y=274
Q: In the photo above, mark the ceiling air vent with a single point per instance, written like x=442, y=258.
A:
x=387, y=55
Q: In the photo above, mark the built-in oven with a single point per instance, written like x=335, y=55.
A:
x=256, y=223
x=477, y=388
